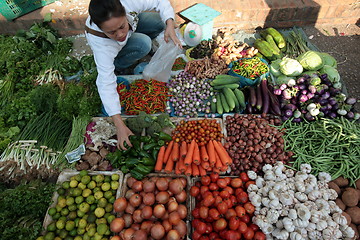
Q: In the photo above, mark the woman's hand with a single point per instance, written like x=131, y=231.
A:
x=122, y=132
x=170, y=33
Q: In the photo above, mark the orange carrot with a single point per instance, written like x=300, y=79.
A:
x=224, y=168
x=211, y=152
x=190, y=153
x=196, y=156
x=182, y=166
x=188, y=171
x=203, y=153
x=175, y=152
x=183, y=149
x=202, y=171
x=224, y=150
x=218, y=164
x=160, y=159
x=205, y=165
x=224, y=157
x=169, y=166
x=195, y=170
x=177, y=170
x=168, y=151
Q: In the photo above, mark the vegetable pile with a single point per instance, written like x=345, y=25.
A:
x=204, y=49
x=207, y=67
x=179, y=64
x=222, y=209
x=250, y=68
x=253, y=141
x=143, y=95
x=296, y=205
x=154, y=207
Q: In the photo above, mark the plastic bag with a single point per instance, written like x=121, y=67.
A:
x=159, y=67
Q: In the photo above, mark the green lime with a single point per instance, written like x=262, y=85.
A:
x=72, y=207
x=78, y=237
x=49, y=236
x=108, y=207
x=51, y=227
x=83, y=173
x=86, y=192
x=102, y=202
x=63, y=233
x=90, y=225
x=108, y=194
x=107, y=178
x=70, y=201
x=63, y=218
x=61, y=191
x=73, y=183
x=97, y=236
x=60, y=224
x=82, y=186
x=70, y=225
x=99, y=178
x=76, y=192
x=72, y=215
x=56, y=216
x=107, y=233
x=66, y=184
x=77, y=177
x=112, y=199
x=79, y=199
x=91, y=218
x=77, y=220
x=86, y=179
x=93, y=207
x=115, y=177
x=86, y=236
x=57, y=238
x=52, y=211
x=80, y=213
x=62, y=203
x=69, y=237
x=84, y=207
x=64, y=212
x=82, y=223
x=97, y=189
x=102, y=228
x=91, y=232
x=100, y=220
x=73, y=232
x=110, y=218
x=98, y=195
x=90, y=199
x=114, y=185
x=99, y=212
x=81, y=231
x=40, y=238
x=91, y=185
x=106, y=186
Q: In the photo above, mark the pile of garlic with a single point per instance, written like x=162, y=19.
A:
x=297, y=205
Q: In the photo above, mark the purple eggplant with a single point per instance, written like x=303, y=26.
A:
x=324, y=109
x=297, y=120
x=284, y=118
x=283, y=86
x=294, y=101
x=303, y=98
x=329, y=106
x=335, y=106
x=302, y=87
x=312, y=89
x=309, y=117
x=306, y=76
x=288, y=113
x=323, y=76
x=277, y=91
x=332, y=101
x=351, y=101
x=252, y=97
x=287, y=94
x=266, y=95
x=325, y=95
x=301, y=80
x=290, y=106
x=259, y=101
x=334, y=91
x=323, y=102
x=304, y=91
x=332, y=115
x=350, y=115
x=310, y=95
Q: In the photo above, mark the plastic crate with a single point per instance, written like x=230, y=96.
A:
x=12, y=9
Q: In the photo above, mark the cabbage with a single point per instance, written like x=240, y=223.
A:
x=309, y=73
x=275, y=67
x=310, y=60
x=282, y=79
x=290, y=67
x=328, y=59
x=332, y=74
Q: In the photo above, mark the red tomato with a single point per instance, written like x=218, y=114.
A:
x=249, y=208
x=223, y=233
x=194, y=191
x=240, y=211
x=245, y=218
x=214, y=177
x=209, y=219
x=208, y=201
x=213, y=235
x=196, y=235
x=234, y=223
x=259, y=236
x=224, y=194
x=221, y=182
x=238, y=190
x=228, y=202
x=206, y=194
x=244, y=177
x=236, y=182
x=214, y=213
x=230, y=213
x=233, y=200
x=204, y=238
x=248, y=183
x=248, y=234
x=222, y=207
x=204, y=189
x=218, y=200
x=196, y=213
x=220, y=225
x=242, y=197
x=195, y=222
x=254, y=227
x=204, y=212
x=201, y=227
x=205, y=180
x=215, y=193
x=198, y=198
x=233, y=235
x=242, y=227
x=228, y=180
x=198, y=184
x=213, y=186
x=209, y=228
x=229, y=189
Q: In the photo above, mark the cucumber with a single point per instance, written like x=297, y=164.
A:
x=264, y=48
x=272, y=43
x=279, y=39
x=230, y=96
x=224, y=79
x=231, y=86
x=240, y=97
x=219, y=107
x=224, y=104
x=213, y=105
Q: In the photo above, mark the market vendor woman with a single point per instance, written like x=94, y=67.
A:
x=119, y=34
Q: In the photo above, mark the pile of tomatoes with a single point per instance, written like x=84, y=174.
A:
x=223, y=210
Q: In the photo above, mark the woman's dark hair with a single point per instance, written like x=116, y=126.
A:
x=102, y=10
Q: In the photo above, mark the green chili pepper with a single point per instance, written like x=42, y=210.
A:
x=130, y=162
x=164, y=136
x=124, y=169
x=136, y=174
x=148, y=161
x=149, y=146
x=155, y=152
x=143, y=153
x=145, y=139
x=141, y=168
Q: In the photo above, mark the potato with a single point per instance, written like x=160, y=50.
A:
x=357, y=183
x=334, y=186
x=341, y=182
x=347, y=216
x=350, y=197
x=353, y=226
x=340, y=204
x=354, y=213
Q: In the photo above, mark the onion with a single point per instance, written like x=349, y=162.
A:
x=167, y=225
x=172, y=206
x=128, y=234
x=174, y=218
x=147, y=225
x=117, y=225
x=135, y=226
x=137, y=216
x=183, y=181
x=162, y=184
x=157, y=231
x=130, y=181
x=129, y=193
x=147, y=212
x=162, y=197
x=128, y=220
x=166, y=216
x=140, y=235
x=181, y=197
x=149, y=199
x=173, y=235
x=137, y=186
x=159, y=211
x=135, y=200
x=181, y=228
x=130, y=209
x=182, y=210
x=149, y=186
x=176, y=186
x=120, y=204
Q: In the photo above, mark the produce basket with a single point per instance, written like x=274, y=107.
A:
x=247, y=81
x=125, y=187
x=12, y=9
x=66, y=175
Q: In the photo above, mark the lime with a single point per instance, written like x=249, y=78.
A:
x=69, y=238
x=70, y=225
x=63, y=218
x=86, y=236
x=49, y=236
x=108, y=194
x=84, y=207
x=72, y=215
x=73, y=183
x=82, y=223
x=83, y=173
x=102, y=228
x=73, y=232
x=51, y=227
x=97, y=189
x=108, y=207
x=78, y=237
x=70, y=201
x=61, y=191
x=80, y=213
x=108, y=233
x=77, y=177
x=56, y=216
x=115, y=177
x=102, y=202
x=106, y=186
x=98, y=195
x=81, y=186
x=99, y=178
x=90, y=199
x=52, y=211
x=81, y=231
x=60, y=224
x=107, y=178
x=110, y=218
x=66, y=184
x=77, y=220
x=97, y=236
x=99, y=212
x=91, y=232
x=93, y=207
x=91, y=185
x=62, y=203
x=79, y=199
x=114, y=185
x=86, y=179
x=100, y=221
x=91, y=218
x=76, y=192
x=86, y=192
x=64, y=212
x=90, y=225
x=57, y=238
x=40, y=238
x=63, y=233
x=112, y=199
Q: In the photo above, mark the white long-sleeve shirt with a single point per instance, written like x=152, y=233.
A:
x=105, y=50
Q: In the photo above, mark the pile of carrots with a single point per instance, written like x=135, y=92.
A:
x=192, y=159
